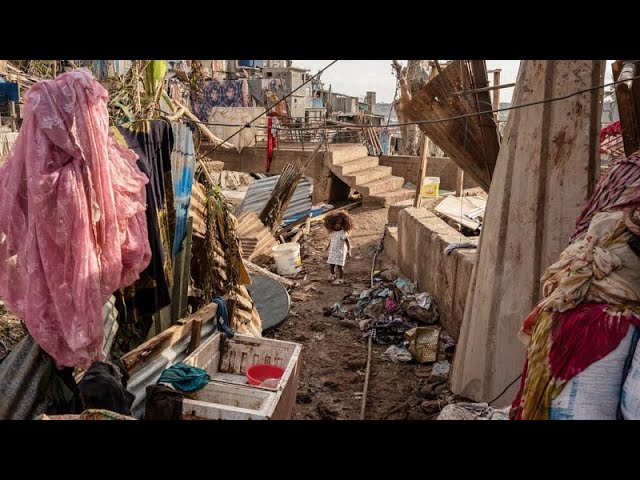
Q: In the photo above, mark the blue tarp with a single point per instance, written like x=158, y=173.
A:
x=9, y=92
x=314, y=212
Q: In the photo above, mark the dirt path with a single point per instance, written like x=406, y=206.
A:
x=334, y=352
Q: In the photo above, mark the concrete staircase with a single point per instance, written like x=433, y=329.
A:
x=365, y=175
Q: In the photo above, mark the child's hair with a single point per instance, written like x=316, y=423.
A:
x=332, y=218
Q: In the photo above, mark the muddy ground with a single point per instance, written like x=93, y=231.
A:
x=334, y=354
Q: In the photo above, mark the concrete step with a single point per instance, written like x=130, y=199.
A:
x=394, y=210
x=386, y=184
x=347, y=153
x=355, y=179
x=357, y=165
x=389, y=198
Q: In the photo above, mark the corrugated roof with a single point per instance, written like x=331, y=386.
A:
x=259, y=192
x=20, y=375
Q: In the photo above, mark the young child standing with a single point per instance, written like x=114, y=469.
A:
x=339, y=225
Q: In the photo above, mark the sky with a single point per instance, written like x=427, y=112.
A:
x=356, y=77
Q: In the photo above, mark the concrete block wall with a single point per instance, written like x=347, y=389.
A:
x=326, y=187
x=422, y=238
x=409, y=167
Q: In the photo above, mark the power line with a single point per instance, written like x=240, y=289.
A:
x=439, y=120
x=247, y=125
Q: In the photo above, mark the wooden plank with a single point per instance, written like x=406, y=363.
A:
x=196, y=335
x=137, y=358
x=181, y=272
x=627, y=105
x=351, y=206
x=459, y=182
x=546, y=171
x=423, y=170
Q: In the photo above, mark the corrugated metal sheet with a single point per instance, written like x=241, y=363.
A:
x=197, y=210
x=255, y=238
x=23, y=369
x=183, y=162
x=259, y=192
x=271, y=299
x=20, y=375
x=110, y=315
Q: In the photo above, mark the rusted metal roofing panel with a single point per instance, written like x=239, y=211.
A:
x=472, y=142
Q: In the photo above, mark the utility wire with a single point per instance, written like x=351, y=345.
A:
x=247, y=125
x=439, y=120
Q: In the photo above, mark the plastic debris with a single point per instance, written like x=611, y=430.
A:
x=397, y=354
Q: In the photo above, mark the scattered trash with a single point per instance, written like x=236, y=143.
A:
x=473, y=411
x=423, y=343
x=422, y=308
x=455, y=246
x=441, y=369
x=397, y=354
x=390, y=305
x=449, y=344
x=387, y=329
x=318, y=336
x=335, y=311
x=405, y=286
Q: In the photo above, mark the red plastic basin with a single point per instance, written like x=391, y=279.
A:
x=256, y=374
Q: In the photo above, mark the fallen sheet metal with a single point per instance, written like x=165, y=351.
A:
x=271, y=299
x=23, y=369
x=472, y=142
x=467, y=211
x=259, y=192
x=256, y=240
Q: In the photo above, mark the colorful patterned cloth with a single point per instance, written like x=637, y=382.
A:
x=591, y=295
x=215, y=93
x=563, y=345
x=618, y=188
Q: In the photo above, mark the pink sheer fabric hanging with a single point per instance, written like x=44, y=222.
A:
x=72, y=218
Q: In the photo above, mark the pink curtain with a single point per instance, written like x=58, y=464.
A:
x=72, y=218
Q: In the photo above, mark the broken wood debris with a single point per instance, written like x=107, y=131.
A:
x=138, y=357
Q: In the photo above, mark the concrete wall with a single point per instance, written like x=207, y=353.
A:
x=422, y=238
x=326, y=187
x=409, y=167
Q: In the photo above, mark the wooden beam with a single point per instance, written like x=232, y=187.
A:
x=423, y=170
x=497, y=87
x=459, y=182
x=252, y=267
x=196, y=335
